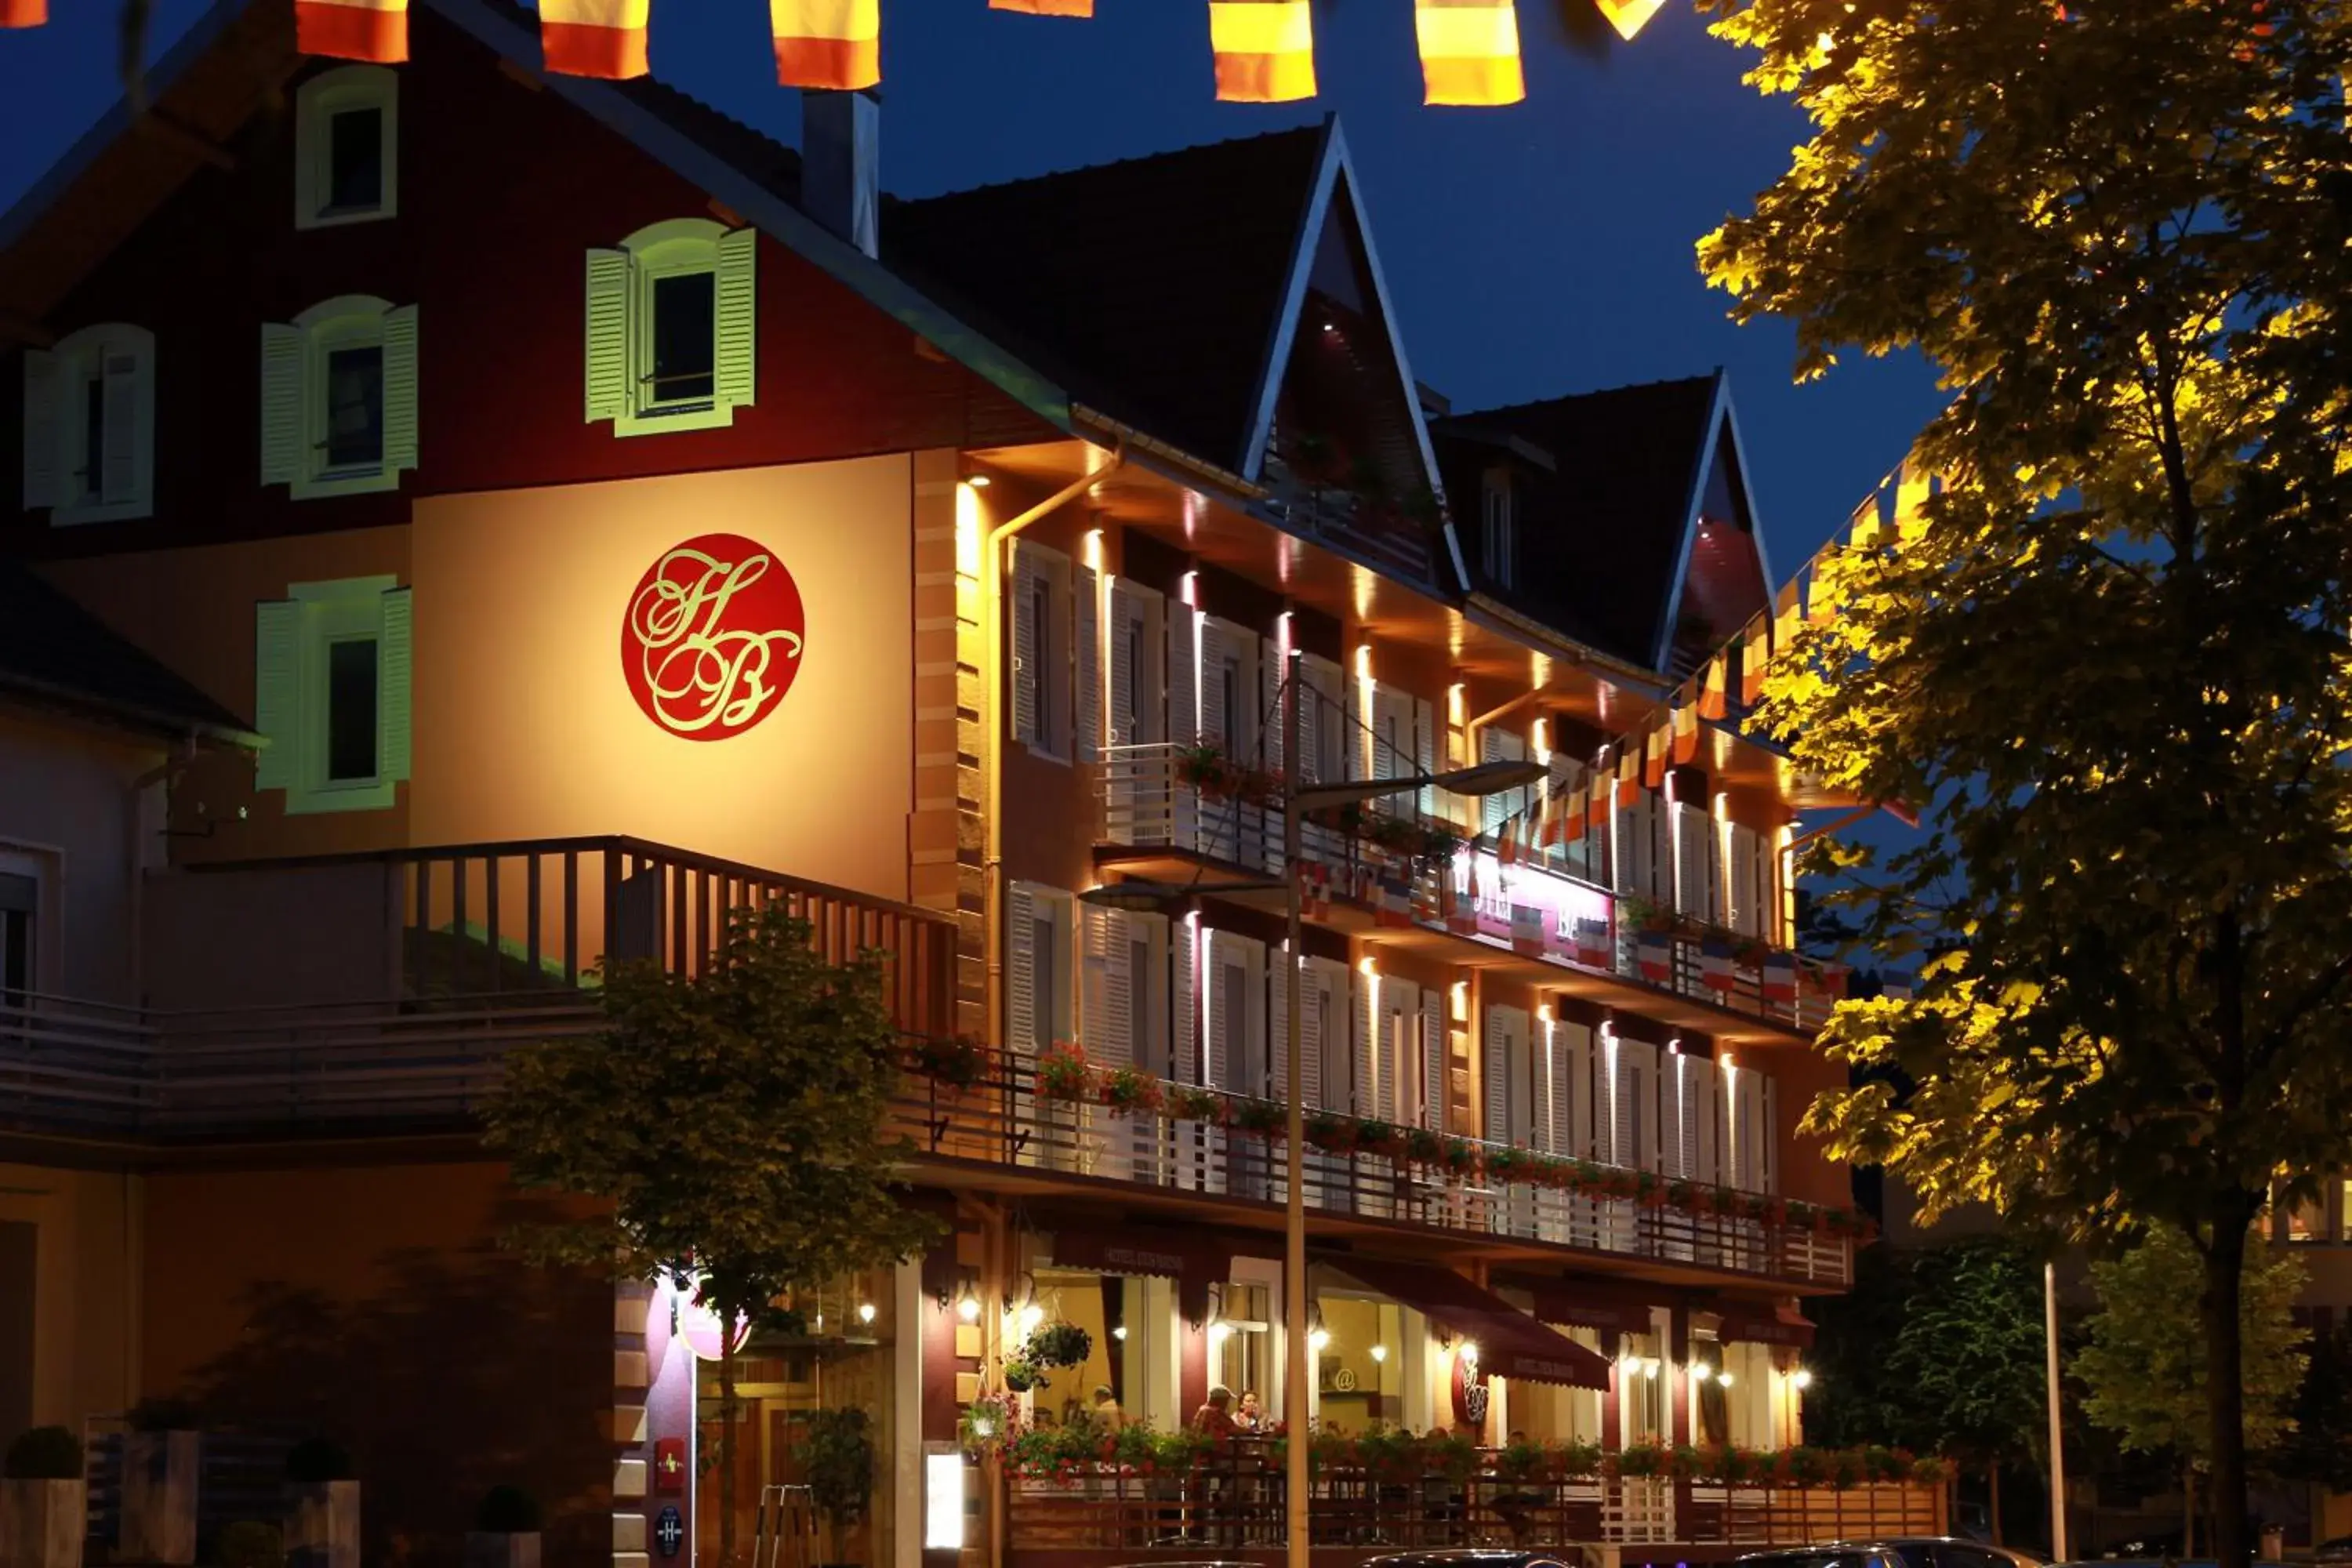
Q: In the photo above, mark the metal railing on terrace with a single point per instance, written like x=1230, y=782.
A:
x=1005, y=1122
x=1148, y=804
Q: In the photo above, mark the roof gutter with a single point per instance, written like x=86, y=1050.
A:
x=1126, y=438
x=1497, y=615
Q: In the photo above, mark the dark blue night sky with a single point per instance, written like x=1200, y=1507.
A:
x=1532, y=251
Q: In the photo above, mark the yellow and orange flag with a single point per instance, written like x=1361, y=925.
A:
x=1046, y=7
x=24, y=12
x=593, y=38
x=373, y=30
x=827, y=43
x=1264, y=49
x=1630, y=16
x=1469, y=51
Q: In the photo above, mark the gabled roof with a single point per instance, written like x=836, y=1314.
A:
x=1608, y=535
x=1155, y=287
x=58, y=655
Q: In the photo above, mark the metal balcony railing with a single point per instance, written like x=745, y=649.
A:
x=1005, y=1122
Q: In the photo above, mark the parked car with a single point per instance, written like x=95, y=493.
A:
x=2336, y=1550
x=1892, y=1552
x=1478, y=1557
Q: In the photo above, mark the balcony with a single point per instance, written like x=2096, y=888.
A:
x=1535, y=922
x=1210, y=1156
x=1229, y=1502
x=361, y=994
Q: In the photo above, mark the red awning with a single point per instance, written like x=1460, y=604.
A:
x=1510, y=1344
x=1196, y=1261
x=1783, y=1324
x=1587, y=1306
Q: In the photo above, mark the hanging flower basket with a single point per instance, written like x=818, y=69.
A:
x=1057, y=1344
x=988, y=1424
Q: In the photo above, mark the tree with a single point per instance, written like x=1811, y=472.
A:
x=733, y=1123
x=2319, y=1450
x=2143, y=1370
x=2106, y=659
x=1938, y=1349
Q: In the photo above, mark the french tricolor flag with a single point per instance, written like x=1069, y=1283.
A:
x=1592, y=943
x=1715, y=964
x=1526, y=930
x=1395, y=905
x=1780, y=977
x=1656, y=951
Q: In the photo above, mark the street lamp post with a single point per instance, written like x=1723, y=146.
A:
x=1485, y=779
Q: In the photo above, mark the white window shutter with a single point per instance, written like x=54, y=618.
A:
x=1223, y=967
x=1492, y=808
x=1742, y=875
x=400, y=388
x=1363, y=1097
x=1424, y=752
x=1571, y=1090
x=283, y=426
x=1768, y=1117
x=277, y=692
x=1315, y=1000
x=1122, y=723
x=1320, y=718
x=1020, y=968
x=1085, y=598
x=607, y=377
x=1183, y=672
x=1706, y=1123
x=1681, y=1103
x=1432, y=1060
x=1277, y=1021
x=1495, y=1067
x=1028, y=656
x=736, y=317
x=395, y=665
x=44, y=439
x=1689, y=831
x=119, y=462
x=1105, y=994
x=1218, y=655
x=1183, y=1000
x=1274, y=702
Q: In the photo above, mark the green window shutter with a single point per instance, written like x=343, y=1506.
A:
x=400, y=388
x=282, y=424
x=277, y=692
x=44, y=386
x=394, y=664
x=608, y=336
x=739, y=264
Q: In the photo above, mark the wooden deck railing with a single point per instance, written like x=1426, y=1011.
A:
x=1005, y=1122
x=1234, y=1503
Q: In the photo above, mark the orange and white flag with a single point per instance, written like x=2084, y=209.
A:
x=1714, y=688
x=832, y=44
x=1046, y=7
x=1654, y=759
x=1630, y=16
x=25, y=13
x=1469, y=51
x=593, y=38
x=373, y=30
x=1264, y=49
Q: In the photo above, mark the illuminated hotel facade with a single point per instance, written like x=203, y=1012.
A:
x=550, y=561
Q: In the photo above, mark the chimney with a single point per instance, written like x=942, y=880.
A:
x=841, y=154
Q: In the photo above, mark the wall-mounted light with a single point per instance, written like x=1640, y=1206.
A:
x=969, y=1308
x=1319, y=1339
x=1701, y=1370
x=1119, y=1333
x=864, y=1311
x=1651, y=1366
x=1723, y=1379
x=1030, y=1317
x=1220, y=1332
x=1380, y=1353
x=1469, y=1352
x=1800, y=1379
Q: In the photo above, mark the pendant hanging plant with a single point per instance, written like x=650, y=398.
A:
x=1056, y=1345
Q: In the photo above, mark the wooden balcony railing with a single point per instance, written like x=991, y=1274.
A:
x=1233, y=1502
x=1004, y=1121
x=1148, y=805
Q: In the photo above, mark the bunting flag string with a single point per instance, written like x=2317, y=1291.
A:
x=593, y=38
x=373, y=30
x=24, y=12
x=1684, y=745
x=1469, y=51
x=1046, y=7
x=1755, y=654
x=1630, y=16
x=827, y=43
x=1714, y=691
x=1654, y=759
x=1264, y=50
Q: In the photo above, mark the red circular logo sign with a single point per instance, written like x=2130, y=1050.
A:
x=712, y=638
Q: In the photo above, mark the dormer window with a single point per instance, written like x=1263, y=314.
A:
x=1501, y=534
x=90, y=425
x=347, y=147
x=671, y=325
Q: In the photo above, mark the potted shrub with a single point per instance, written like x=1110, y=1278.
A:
x=163, y=1453
x=250, y=1543
x=836, y=1450
x=43, y=1501
x=506, y=1530
x=322, y=1513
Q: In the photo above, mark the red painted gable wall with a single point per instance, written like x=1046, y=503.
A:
x=503, y=188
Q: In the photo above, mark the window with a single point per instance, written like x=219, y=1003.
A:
x=1501, y=535
x=339, y=398
x=332, y=692
x=90, y=425
x=1039, y=966
x=1039, y=608
x=347, y=147
x=670, y=328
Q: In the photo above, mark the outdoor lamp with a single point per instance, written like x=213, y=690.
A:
x=1723, y=1380
x=1318, y=1339
x=1379, y=1353
x=864, y=1311
x=1031, y=1316
x=1800, y=1379
x=1119, y=1332
x=969, y=1308
x=1701, y=1370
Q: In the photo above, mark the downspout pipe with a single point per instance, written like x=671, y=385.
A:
x=992, y=617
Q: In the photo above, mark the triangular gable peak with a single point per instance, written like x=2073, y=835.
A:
x=1337, y=400
x=1722, y=578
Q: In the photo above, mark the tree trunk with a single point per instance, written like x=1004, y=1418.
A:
x=726, y=1441
x=1993, y=1500
x=2187, y=1508
x=2225, y=1392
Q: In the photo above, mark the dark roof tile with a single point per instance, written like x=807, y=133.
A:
x=54, y=650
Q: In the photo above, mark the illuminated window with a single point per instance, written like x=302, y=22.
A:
x=670, y=328
x=90, y=425
x=1038, y=607
x=347, y=147
x=339, y=398
x=1501, y=534
x=331, y=665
